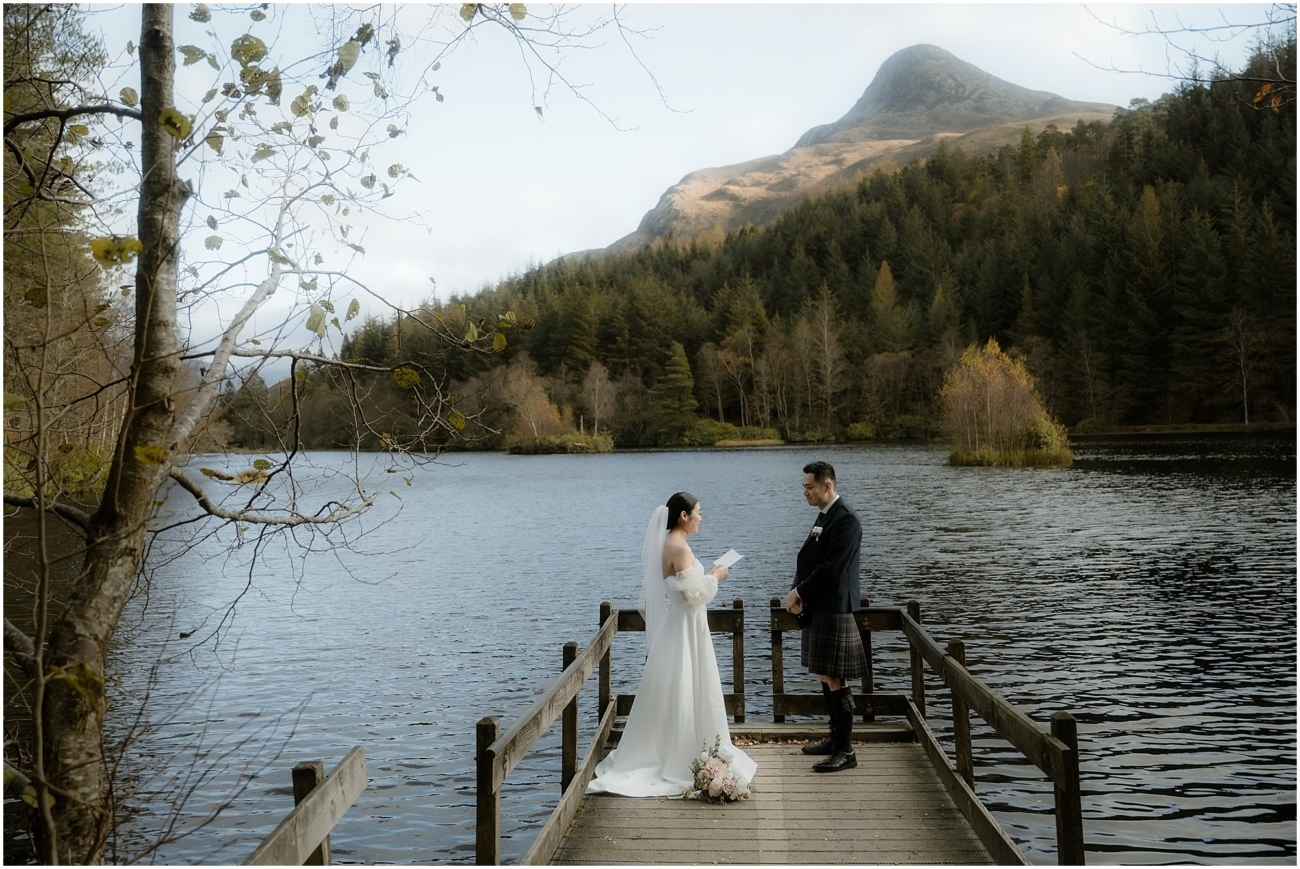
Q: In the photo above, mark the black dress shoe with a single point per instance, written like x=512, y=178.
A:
x=826, y=746
x=836, y=762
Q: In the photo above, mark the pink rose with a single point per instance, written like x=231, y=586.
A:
x=715, y=787
x=729, y=787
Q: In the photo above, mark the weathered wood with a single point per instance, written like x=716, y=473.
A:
x=487, y=819
x=991, y=834
x=1069, y=805
x=921, y=641
x=303, y=829
x=738, y=661
x=891, y=809
x=778, y=656
x=720, y=621
x=914, y=649
x=512, y=745
x=961, y=720
x=1010, y=723
x=869, y=680
x=306, y=776
x=734, y=704
x=553, y=831
x=606, y=665
x=863, y=704
x=569, y=738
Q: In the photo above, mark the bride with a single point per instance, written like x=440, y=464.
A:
x=678, y=710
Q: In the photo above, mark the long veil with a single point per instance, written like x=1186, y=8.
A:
x=653, y=604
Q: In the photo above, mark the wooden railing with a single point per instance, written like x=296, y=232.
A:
x=1056, y=753
x=498, y=753
x=302, y=838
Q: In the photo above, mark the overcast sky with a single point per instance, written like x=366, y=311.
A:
x=502, y=188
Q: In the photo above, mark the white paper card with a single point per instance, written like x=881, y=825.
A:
x=730, y=558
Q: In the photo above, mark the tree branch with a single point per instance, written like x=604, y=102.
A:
x=66, y=511
x=64, y=114
x=23, y=649
x=290, y=520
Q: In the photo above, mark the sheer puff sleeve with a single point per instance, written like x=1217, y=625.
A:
x=692, y=586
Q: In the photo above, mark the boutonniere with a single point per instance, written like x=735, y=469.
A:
x=817, y=532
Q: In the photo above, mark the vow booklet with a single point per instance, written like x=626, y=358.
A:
x=729, y=559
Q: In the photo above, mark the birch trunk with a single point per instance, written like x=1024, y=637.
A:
x=75, y=705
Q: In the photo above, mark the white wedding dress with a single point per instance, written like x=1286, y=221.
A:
x=678, y=710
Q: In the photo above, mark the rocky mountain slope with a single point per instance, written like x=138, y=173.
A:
x=920, y=96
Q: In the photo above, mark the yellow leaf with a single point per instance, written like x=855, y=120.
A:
x=468, y=11
x=498, y=342
x=518, y=11
x=129, y=97
x=175, y=123
x=114, y=250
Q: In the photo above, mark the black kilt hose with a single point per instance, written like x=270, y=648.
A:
x=827, y=580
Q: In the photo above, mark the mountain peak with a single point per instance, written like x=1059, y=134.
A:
x=924, y=88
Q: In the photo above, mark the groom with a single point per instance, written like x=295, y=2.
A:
x=826, y=588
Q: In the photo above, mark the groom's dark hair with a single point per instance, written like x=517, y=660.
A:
x=821, y=471
x=682, y=502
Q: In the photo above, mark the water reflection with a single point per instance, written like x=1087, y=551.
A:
x=1150, y=590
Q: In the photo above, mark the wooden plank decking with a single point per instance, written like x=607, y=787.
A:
x=893, y=808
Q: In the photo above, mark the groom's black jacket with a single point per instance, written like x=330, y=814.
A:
x=826, y=573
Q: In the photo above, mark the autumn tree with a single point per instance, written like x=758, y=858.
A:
x=992, y=414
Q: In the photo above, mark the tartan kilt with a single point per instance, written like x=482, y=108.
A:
x=832, y=646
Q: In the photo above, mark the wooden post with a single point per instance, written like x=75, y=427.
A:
x=778, y=660
x=487, y=833
x=606, y=610
x=961, y=720
x=918, y=662
x=569, y=749
x=738, y=660
x=306, y=776
x=1069, y=802
x=869, y=680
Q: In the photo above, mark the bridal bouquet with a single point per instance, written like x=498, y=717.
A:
x=714, y=779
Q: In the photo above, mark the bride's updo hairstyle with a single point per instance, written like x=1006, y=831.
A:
x=682, y=502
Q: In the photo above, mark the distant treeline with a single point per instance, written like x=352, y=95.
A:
x=1143, y=270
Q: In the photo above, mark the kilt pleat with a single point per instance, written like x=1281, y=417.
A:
x=832, y=646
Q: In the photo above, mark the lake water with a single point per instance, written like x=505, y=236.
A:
x=1150, y=590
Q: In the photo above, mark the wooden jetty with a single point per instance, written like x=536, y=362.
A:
x=906, y=802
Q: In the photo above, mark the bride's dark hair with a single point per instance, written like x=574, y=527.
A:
x=682, y=502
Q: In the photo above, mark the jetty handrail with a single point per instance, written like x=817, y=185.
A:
x=1056, y=753
x=498, y=753
x=302, y=838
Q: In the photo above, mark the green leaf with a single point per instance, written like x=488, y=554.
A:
x=215, y=141
x=335, y=321
x=341, y=103
x=262, y=153
x=358, y=248
x=471, y=332
x=210, y=96
x=201, y=13
x=257, y=15
x=212, y=222
x=193, y=54
x=327, y=200
x=396, y=170
x=212, y=62
x=213, y=242
x=129, y=97
x=130, y=47
x=274, y=86
x=498, y=342
x=354, y=308
x=262, y=464
x=13, y=402
x=518, y=11
x=79, y=130
x=327, y=305
x=316, y=320
x=301, y=104
x=215, y=474
x=438, y=97
x=314, y=141
x=368, y=182
x=406, y=378
x=247, y=50
x=468, y=11
x=457, y=420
